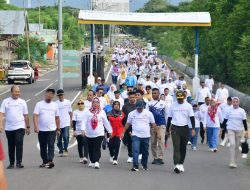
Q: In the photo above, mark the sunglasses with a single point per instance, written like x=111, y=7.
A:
x=80, y=103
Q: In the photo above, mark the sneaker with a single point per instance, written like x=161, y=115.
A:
x=91, y=165
x=81, y=160
x=130, y=160
x=145, y=168
x=181, y=168
x=111, y=159
x=160, y=161
x=140, y=156
x=211, y=150
x=155, y=161
x=135, y=169
x=228, y=144
x=66, y=153
x=189, y=143
x=232, y=165
x=60, y=154
x=115, y=162
x=194, y=148
x=11, y=166
x=42, y=165
x=223, y=142
x=244, y=156
x=49, y=165
x=19, y=166
x=176, y=169
x=85, y=160
x=215, y=150
x=97, y=165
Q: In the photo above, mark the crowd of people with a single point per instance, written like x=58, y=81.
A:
x=145, y=104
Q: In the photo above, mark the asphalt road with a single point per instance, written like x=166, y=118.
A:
x=204, y=170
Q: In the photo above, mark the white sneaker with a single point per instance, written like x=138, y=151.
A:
x=130, y=160
x=232, y=165
x=97, y=165
x=181, y=168
x=211, y=150
x=223, y=142
x=194, y=148
x=140, y=156
x=91, y=165
x=111, y=159
x=81, y=160
x=189, y=143
x=177, y=169
x=115, y=162
x=244, y=156
x=85, y=160
x=228, y=145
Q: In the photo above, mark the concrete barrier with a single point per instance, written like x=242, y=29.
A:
x=189, y=74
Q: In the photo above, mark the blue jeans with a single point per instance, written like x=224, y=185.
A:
x=114, y=79
x=65, y=137
x=212, y=137
x=137, y=144
x=194, y=139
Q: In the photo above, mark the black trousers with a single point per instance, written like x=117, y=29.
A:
x=82, y=144
x=128, y=142
x=180, y=136
x=15, y=145
x=47, y=145
x=202, y=132
x=114, y=147
x=94, y=146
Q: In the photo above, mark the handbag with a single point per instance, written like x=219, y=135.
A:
x=244, y=147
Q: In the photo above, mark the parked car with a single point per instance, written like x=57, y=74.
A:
x=20, y=70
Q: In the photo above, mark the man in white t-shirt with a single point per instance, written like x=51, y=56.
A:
x=202, y=93
x=65, y=112
x=210, y=83
x=88, y=102
x=140, y=120
x=17, y=122
x=99, y=95
x=179, y=115
x=222, y=94
x=47, y=124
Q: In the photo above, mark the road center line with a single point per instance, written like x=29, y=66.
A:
x=107, y=77
x=72, y=102
x=28, y=100
x=7, y=91
x=44, y=89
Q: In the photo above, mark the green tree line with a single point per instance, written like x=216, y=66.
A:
x=224, y=47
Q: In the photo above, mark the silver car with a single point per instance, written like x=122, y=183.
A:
x=20, y=70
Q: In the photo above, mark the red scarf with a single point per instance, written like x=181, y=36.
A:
x=212, y=110
x=95, y=111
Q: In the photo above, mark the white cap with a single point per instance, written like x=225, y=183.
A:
x=99, y=78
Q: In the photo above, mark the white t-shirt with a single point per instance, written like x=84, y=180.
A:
x=202, y=93
x=169, y=100
x=203, y=110
x=235, y=117
x=209, y=83
x=141, y=123
x=221, y=95
x=180, y=113
x=124, y=94
x=87, y=105
x=78, y=117
x=162, y=88
x=224, y=107
x=46, y=115
x=99, y=130
x=64, y=110
x=197, y=119
x=14, y=110
x=103, y=102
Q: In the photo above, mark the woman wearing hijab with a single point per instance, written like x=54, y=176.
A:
x=235, y=122
x=212, y=122
x=111, y=92
x=94, y=121
x=115, y=117
x=81, y=140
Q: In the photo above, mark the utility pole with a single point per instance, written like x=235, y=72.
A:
x=196, y=79
x=60, y=66
x=91, y=78
x=39, y=18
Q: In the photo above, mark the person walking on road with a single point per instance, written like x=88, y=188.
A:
x=17, y=123
x=88, y=101
x=222, y=94
x=82, y=143
x=235, y=122
x=65, y=112
x=94, y=121
x=180, y=113
x=141, y=121
x=47, y=124
x=202, y=93
x=159, y=109
x=115, y=117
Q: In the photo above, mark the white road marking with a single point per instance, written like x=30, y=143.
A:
x=107, y=77
x=41, y=80
x=72, y=102
x=6, y=91
x=44, y=89
x=28, y=100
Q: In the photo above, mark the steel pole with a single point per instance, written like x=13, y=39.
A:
x=196, y=79
x=60, y=66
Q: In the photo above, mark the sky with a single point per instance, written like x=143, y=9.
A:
x=83, y=4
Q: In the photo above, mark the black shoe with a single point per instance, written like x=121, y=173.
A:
x=135, y=169
x=42, y=165
x=177, y=170
x=50, y=165
x=160, y=161
x=155, y=161
x=19, y=166
x=11, y=166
